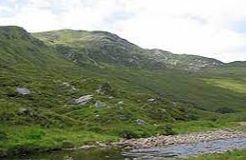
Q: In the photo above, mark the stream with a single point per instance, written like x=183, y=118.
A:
x=184, y=150
x=179, y=151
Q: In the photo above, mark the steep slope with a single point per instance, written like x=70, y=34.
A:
x=103, y=48
x=55, y=83
x=27, y=64
x=111, y=53
x=19, y=47
x=184, y=61
x=98, y=48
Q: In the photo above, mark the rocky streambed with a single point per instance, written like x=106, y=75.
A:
x=184, y=150
x=160, y=141
x=181, y=146
x=153, y=148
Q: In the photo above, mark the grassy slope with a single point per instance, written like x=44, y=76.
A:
x=191, y=87
x=99, y=47
x=50, y=120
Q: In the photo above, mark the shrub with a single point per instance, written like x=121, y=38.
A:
x=95, y=129
x=105, y=89
x=128, y=134
x=167, y=130
x=3, y=135
x=224, y=110
x=36, y=134
x=67, y=144
x=192, y=117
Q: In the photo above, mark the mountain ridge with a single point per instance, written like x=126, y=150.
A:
x=134, y=54
x=109, y=33
x=24, y=32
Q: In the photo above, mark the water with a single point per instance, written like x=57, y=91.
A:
x=80, y=154
x=157, y=153
x=183, y=150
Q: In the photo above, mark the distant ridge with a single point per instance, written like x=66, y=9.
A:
x=103, y=47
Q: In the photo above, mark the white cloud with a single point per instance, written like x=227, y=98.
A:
x=192, y=26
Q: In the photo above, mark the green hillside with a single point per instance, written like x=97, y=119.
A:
x=133, y=92
x=99, y=47
x=109, y=52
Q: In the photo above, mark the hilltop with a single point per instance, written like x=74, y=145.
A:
x=100, y=47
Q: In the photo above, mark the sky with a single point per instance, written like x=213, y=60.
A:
x=210, y=28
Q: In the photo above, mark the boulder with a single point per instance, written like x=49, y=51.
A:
x=140, y=122
x=66, y=84
x=151, y=100
x=120, y=103
x=84, y=99
x=99, y=104
x=23, y=110
x=23, y=91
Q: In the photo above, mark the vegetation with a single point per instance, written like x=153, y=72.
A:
x=25, y=139
x=140, y=100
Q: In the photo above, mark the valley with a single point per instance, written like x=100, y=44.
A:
x=133, y=92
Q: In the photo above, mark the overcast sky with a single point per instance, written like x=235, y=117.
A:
x=211, y=28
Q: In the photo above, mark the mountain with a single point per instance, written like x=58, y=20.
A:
x=102, y=48
x=67, y=88
x=23, y=53
x=17, y=45
x=184, y=61
x=237, y=64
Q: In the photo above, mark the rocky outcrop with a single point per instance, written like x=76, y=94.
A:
x=140, y=122
x=107, y=48
x=23, y=91
x=99, y=104
x=84, y=99
x=66, y=84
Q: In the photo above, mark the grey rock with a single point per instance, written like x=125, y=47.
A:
x=151, y=100
x=120, y=102
x=66, y=84
x=99, y=104
x=123, y=117
x=140, y=122
x=23, y=91
x=73, y=88
x=84, y=99
x=23, y=110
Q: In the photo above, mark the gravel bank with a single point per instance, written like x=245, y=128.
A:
x=179, y=139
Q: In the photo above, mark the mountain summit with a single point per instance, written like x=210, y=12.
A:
x=102, y=48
